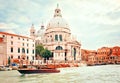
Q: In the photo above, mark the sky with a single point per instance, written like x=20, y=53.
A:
x=95, y=23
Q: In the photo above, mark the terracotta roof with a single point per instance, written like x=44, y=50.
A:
x=5, y=33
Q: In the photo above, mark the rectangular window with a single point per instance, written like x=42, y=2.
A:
x=18, y=57
x=3, y=35
x=18, y=38
x=60, y=36
x=33, y=57
x=33, y=51
x=18, y=50
x=56, y=37
x=27, y=51
x=11, y=49
x=23, y=44
x=23, y=50
x=27, y=57
x=11, y=37
x=27, y=45
x=11, y=42
x=11, y=56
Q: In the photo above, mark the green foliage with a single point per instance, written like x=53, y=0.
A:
x=39, y=49
x=46, y=53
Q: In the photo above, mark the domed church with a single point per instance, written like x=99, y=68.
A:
x=58, y=39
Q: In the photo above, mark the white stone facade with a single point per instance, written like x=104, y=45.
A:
x=57, y=38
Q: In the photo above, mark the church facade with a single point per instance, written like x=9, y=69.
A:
x=58, y=39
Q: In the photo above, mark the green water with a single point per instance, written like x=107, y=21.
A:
x=90, y=74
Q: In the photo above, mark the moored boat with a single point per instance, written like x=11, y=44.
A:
x=5, y=68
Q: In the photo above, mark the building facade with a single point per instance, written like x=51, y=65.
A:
x=16, y=48
x=2, y=52
x=115, y=56
x=58, y=39
x=105, y=55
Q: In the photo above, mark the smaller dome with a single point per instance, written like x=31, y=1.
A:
x=40, y=33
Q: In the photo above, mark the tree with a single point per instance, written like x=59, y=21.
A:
x=38, y=50
x=46, y=54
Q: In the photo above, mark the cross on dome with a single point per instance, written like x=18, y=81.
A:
x=57, y=5
x=32, y=25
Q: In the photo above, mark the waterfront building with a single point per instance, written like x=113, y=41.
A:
x=115, y=56
x=58, y=39
x=2, y=51
x=103, y=54
x=16, y=48
x=91, y=57
x=91, y=60
x=86, y=53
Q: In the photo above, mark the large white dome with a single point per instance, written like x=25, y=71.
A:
x=57, y=22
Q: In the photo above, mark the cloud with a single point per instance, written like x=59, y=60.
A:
x=95, y=22
x=8, y=26
x=23, y=19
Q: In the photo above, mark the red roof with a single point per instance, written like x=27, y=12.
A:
x=5, y=33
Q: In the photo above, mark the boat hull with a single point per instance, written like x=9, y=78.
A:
x=24, y=71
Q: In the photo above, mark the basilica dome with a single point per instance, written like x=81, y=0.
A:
x=57, y=21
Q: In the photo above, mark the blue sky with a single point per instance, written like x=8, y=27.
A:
x=96, y=23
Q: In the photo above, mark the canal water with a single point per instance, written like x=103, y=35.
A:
x=86, y=74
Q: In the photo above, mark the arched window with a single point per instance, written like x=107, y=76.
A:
x=59, y=48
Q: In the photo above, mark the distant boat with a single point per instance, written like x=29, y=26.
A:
x=36, y=71
x=5, y=68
